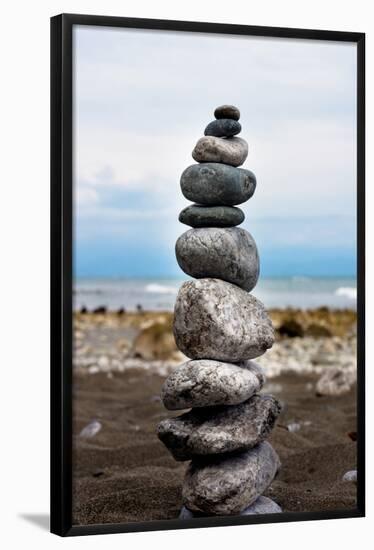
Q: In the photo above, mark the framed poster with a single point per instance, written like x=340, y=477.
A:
x=207, y=342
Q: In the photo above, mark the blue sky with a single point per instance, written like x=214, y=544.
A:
x=142, y=100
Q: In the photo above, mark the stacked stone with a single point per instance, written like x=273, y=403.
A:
x=221, y=328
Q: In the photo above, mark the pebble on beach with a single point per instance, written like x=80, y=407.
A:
x=214, y=319
x=229, y=485
x=228, y=253
x=350, y=476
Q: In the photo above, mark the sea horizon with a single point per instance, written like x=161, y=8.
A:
x=159, y=293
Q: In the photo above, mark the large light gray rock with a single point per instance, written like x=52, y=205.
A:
x=214, y=184
x=229, y=485
x=214, y=319
x=204, y=383
x=218, y=430
x=263, y=505
x=227, y=253
x=233, y=150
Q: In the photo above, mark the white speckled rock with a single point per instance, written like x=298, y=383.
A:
x=229, y=485
x=214, y=319
x=336, y=381
x=227, y=253
x=350, y=476
x=263, y=505
x=233, y=150
x=217, y=430
x=204, y=383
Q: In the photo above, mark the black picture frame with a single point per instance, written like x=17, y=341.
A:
x=61, y=269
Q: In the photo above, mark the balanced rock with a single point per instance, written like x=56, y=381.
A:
x=225, y=127
x=230, y=484
x=214, y=184
x=214, y=319
x=231, y=151
x=227, y=111
x=263, y=505
x=211, y=216
x=228, y=253
x=204, y=383
x=217, y=430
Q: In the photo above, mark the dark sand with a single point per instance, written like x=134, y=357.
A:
x=125, y=474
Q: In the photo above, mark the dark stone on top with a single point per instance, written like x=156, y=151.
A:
x=224, y=127
x=211, y=216
x=215, y=184
x=227, y=111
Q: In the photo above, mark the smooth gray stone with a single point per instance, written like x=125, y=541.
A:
x=204, y=383
x=263, y=505
x=350, y=476
x=225, y=127
x=218, y=320
x=227, y=253
x=185, y=513
x=229, y=485
x=218, y=430
x=214, y=184
x=211, y=216
x=227, y=111
x=231, y=151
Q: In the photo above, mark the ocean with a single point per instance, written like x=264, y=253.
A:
x=159, y=294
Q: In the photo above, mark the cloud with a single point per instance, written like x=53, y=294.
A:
x=143, y=98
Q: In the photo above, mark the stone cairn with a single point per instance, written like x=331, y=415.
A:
x=221, y=328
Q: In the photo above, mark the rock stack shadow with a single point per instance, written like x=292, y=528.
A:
x=221, y=328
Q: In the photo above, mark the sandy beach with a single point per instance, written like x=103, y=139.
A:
x=123, y=473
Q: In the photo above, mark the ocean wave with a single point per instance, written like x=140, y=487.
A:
x=89, y=291
x=347, y=291
x=155, y=288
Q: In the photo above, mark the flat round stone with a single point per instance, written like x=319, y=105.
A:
x=220, y=430
x=227, y=253
x=231, y=151
x=227, y=111
x=225, y=127
x=214, y=184
x=204, y=383
x=218, y=320
x=211, y=216
x=228, y=485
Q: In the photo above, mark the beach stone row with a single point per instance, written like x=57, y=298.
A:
x=221, y=328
